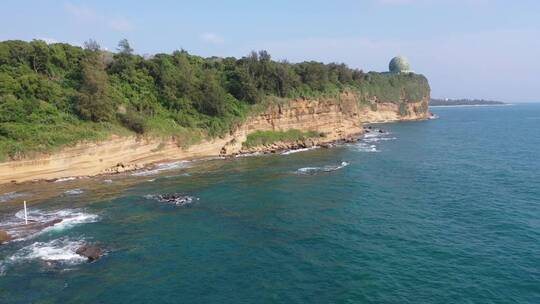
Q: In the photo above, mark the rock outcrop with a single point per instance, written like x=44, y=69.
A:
x=4, y=237
x=90, y=252
x=338, y=118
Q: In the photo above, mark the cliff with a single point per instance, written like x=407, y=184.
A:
x=336, y=118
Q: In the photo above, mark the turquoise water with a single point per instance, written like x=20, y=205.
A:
x=441, y=211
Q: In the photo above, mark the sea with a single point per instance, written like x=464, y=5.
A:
x=438, y=211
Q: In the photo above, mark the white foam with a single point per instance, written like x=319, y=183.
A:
x=328, y=168
x=249, y=154
x=175, y=199
x=163, y=167
x=368, y=141
x=69, y=217
x=299, y=150
x=365, y=147
x=65, y=179
x=6, y=197
x=76, y=191
x=59, y=250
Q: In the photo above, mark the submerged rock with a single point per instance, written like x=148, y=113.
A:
x=4, y=237
x=90, y=252
x=173, y=198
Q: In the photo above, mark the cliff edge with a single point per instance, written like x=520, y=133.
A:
x=333, y=118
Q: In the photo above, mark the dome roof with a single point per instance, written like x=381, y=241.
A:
x=399, y=64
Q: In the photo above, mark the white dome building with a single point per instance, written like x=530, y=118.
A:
x=399, y=65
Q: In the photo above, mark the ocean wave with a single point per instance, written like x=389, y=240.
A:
x=299, y=150
x=368, y=142
x=174, y=198
x=75, y=191
x=41, y=221
x=365, y=147
x=249, y=154
x=65, y=179
x=328, y=168
x=62, y=250
x=6, y=197
x=163, y=167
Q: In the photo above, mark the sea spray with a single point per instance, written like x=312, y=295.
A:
x=315, y=170
x=58, y=250
x=163, y=167
x=44, y=221
x=299, y=150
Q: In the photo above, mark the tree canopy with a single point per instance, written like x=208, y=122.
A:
x=56, y=94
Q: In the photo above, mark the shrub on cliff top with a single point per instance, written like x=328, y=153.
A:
x=262, y=138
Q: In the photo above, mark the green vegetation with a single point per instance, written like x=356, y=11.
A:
x=52, y=95
x=261, y=138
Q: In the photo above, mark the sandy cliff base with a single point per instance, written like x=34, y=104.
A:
x=338, y=118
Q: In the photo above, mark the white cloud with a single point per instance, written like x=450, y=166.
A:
x=85, y=15
x=212, y=38
x=80, y=11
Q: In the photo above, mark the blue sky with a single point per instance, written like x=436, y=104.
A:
x=467, y=48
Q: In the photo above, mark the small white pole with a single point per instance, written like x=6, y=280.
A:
x=25, y=214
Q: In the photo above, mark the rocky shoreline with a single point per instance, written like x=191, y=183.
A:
x=339, y=119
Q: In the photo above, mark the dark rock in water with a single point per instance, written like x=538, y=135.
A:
x=90, y=252
x=4, y=237
x=52, y=222
x=22, y=230
x=173, y=198
x=381, y=131
x=40, y=226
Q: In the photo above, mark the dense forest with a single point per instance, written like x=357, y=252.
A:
x=57, y=94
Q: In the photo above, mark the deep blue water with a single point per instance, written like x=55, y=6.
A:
x=441, y=211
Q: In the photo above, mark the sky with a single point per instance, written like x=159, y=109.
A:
x=467, y=48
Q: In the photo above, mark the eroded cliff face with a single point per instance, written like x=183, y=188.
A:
x=338, y=118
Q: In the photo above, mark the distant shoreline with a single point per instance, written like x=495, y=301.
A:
x=463, y=102
x=471, y=105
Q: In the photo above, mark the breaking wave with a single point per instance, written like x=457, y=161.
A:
x=76, y=191
x=59, y=250
x=6, y=197
x=163, y=167
x=40, y=221
x=298, y=150
x=328, y=168
x=368, y=142
x=249, y=154
x=65, y=179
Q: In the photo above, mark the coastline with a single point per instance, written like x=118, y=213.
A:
x=339, y=119
x=479, y=105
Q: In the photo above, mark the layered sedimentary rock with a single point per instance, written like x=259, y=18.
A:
x=338, y=118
